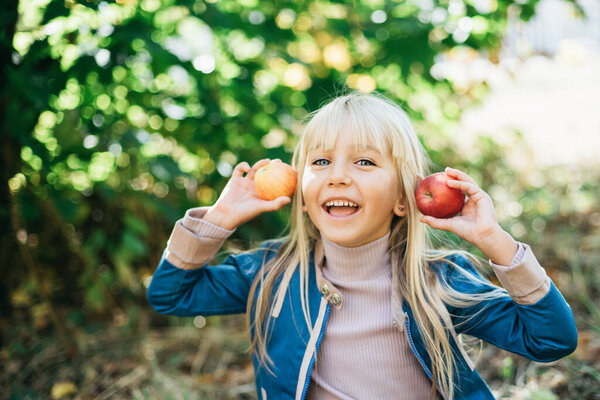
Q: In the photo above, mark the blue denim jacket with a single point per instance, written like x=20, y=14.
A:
x=544, y=331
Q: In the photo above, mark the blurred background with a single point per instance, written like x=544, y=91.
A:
x=117, y=116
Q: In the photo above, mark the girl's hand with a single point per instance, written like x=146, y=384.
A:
x=477, y=222
x=239, y=202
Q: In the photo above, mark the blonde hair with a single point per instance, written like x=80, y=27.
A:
x=378, y=122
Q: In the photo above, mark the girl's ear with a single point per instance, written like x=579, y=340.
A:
x=399, y=208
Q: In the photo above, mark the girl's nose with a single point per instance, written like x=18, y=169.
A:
x=339, y=176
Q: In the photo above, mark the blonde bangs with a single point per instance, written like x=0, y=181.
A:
x=369, y=128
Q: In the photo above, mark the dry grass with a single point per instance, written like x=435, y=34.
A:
x=185, y=362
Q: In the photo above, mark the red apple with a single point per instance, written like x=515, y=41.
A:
x=274, y=180
x=437, y=199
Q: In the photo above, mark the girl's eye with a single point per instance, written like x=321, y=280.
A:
x=321, y=161
x=364, y=162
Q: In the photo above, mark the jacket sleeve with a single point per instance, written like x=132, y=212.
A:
x=210, y=290
x=542, y=331
x=185, y=285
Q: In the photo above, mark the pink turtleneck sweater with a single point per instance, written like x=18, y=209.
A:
x=363, y=355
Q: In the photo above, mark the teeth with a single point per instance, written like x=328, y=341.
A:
x=340, y=203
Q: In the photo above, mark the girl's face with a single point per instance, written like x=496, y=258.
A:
x=351, y=195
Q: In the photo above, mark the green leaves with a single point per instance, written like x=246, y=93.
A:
x=127, y=113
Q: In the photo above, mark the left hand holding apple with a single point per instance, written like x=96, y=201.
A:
x=477, y=222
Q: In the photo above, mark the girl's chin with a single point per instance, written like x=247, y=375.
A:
x=348, y=237
x=343, y=240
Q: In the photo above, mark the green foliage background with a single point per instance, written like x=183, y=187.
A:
x=120, y=116
x=116, y=117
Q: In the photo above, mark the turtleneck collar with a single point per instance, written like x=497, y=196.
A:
x=365, y=262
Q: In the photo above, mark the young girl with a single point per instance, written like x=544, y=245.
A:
x=355, y=303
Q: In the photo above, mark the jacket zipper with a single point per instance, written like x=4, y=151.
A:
x=312, y=361
x=414, y=350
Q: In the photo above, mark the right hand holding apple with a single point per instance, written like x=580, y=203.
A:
x=477, y=221
x=239, y=201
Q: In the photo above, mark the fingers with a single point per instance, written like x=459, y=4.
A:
x=276, y=204
x=239, y=169
x=261, y=163
x=437, y=223
x=257, y=165
x=471, y=188
x=464, y=182
x=459, y=175
x=244, y=167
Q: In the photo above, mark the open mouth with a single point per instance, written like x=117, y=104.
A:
x=340, y=208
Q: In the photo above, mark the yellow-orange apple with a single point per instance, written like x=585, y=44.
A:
x=274, y=180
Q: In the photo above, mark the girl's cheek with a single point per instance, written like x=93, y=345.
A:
x=308, y=179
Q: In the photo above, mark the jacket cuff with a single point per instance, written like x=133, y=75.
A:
x=525, y=280
x=194, y=241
